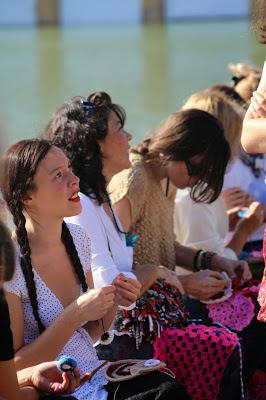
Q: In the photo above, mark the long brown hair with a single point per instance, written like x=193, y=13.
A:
x=228, y=113
x=186, y=134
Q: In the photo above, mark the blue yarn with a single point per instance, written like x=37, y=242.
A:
x=66, y=363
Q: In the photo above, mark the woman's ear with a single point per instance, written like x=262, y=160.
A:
x=26, y=200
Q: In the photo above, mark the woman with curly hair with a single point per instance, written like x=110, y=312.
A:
x=93, y=136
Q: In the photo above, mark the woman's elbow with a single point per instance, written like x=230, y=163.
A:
x=249, y=145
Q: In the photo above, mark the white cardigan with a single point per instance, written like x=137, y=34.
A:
x=200, y=225
x=110, y=255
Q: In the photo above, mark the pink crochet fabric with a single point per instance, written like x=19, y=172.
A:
x=262, y=292
x=236, y=312
x=198, y=356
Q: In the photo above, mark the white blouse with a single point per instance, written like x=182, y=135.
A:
x=80, y=345
x=200, y=225
x=110, y=254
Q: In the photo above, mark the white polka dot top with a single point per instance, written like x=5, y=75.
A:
x=80, y=345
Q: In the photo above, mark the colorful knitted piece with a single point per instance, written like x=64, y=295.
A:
x=158, y=308
x=198, y=356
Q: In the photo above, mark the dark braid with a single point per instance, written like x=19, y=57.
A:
x=25, y=263
x=74, y=257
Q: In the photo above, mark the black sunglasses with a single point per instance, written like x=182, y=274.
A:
x=87, y=106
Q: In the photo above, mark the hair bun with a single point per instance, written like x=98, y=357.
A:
x=100, y=99
x=242, y=70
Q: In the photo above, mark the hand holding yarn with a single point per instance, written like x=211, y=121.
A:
x=204, y=284
x=66, y=364
x=170, y=278
x=47, y=378
x=95, y=303
x=127, y=290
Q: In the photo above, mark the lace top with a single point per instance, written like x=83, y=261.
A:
x=80, y=345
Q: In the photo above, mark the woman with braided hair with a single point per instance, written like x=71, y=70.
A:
x=54, y=309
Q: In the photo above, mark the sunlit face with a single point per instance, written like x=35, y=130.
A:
x=115, y=146
x=56, y=193
x=179, y=173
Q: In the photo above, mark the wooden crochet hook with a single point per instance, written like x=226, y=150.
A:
x=89, y=375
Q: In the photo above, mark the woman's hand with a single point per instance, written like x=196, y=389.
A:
x=170, y=278
x=47, y=378
x=127, y=290
x=233, y=217
x=258, y=105
x=204, y=284
x=253, y=219
x=94, y=304
x=233, y=268
x=235, y=197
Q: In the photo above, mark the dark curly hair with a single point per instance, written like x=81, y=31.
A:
x=186, y=134
x=77, y=130
x=20, y=163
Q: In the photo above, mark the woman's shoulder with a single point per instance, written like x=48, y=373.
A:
x=130, y=182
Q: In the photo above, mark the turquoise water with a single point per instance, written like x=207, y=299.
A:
x=150, y=70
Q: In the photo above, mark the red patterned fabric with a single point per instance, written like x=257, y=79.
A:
x=257, y=388
x=198, y=356
x=262, y=292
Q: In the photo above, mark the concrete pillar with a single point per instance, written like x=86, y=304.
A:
x=47, y=12
x=153, y=10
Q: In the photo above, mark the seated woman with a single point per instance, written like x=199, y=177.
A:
x=93, y=136
x=205, y=226
x=244, y=180
x=180, y=154
x=53, y=307
x=44, y=377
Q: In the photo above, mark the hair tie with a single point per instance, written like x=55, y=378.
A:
x=236, y=79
